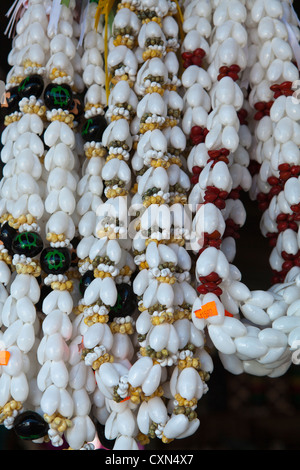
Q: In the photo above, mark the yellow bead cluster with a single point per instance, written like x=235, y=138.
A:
x=155, y=163
x=32, y=268
x=6, y=257
x=58, y=422
x=184, y=313
x=64, y=285
x=101, y=360
x=126, y=5
x=155, y=89
x=137, y=395
x=124, y=41
x=16, y=223
x=164, y=317
x=148, y=200
x=101, y=274
x=16, y=79
x=151, y=126
x=52, y=237
x=111, y=156
x=65, y=117
x=91, y=152
x=167, y=279
x=96, y=318
x=11, y=118
x=184, y=402
x=151, y=53
x=123, y=328
x=8, y=409
x=189, y=362
x=39, y=110
x=56, y=73
x=28, y=63
x=112, y=193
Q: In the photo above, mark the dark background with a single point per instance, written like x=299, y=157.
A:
x=239, y=412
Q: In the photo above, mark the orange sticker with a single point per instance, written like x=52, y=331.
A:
x=4, y=358
x=207, y=310
x=227, y=314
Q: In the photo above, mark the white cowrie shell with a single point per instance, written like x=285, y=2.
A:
x=139, y=371
x=221, y=339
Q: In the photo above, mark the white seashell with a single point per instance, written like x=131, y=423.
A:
x=15, y=363
x=82, y=403
x=157, y=410
x=139, y=371
x=255, y=314
x=26, y=337
x=254, y=368
x=19, y=387
x=59, y=374
x=5, y=382
x=152, y=381
x=221, y=339
x=176, y=425
x=231, y=363
x=187, y=383
x=109, y=375
x=250, y=347
x=93, y=335
x=55, y=347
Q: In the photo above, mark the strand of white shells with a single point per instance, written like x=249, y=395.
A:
x=119, y=421
x=89, y=190
x=160, y=140
x=21, y=197
x=240, y=347
x=61, y=162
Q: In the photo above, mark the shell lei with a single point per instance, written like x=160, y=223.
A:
x=61, y=162
x=89, y=191
x=166, y=335
x=253, y=338
x=22, y=211
x=166, y=156
x=115, y=264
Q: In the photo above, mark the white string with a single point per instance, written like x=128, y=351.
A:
x=54, y=18
x=13, y=12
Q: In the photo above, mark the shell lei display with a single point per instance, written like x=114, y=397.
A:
x=132, y=128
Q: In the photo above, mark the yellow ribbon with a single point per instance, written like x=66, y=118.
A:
x=180, y=19
x=104, y=8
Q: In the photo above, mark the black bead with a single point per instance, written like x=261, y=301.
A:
x=126, y=302
x=7, y=234
x=58, y=96
x=93, y=129
x=30, y=425
x=27, y=243
x=55, y=260
x=107, y=443
x=85, y=281
x=32, y=85
x=10, y=101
